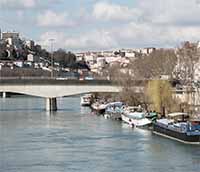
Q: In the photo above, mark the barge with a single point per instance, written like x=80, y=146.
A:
x=178, y=127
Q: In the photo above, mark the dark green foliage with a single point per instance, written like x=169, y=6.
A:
x=65, y=59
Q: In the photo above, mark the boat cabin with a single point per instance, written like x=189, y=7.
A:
x=179, y=117
x=134, y=109
x=195, y=124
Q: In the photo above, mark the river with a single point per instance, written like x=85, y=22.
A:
x=73, y=139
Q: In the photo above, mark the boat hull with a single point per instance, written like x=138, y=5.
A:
x=114, y=116
x=98, y=110
x=85, y=104
x=138, y=123
x=175, y=135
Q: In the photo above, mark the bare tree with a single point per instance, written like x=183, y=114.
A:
x=188, y=55
x=124, y=78
x=160, y=62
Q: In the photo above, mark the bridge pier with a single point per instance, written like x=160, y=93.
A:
x=51, y=104
x=4, y=95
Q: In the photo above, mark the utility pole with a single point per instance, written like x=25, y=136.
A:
x=52, y=61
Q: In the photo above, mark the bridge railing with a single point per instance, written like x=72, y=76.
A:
x=52, y=78
x=51, y=81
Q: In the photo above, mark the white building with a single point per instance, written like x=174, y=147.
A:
x=130, y=54
x=9, y=41
x=12, y=38
x=101, y=62
x=18, y=63
x=13, y=35
x=91, y=59
x=30, y=44
x=107, y=53
x=197, y=71
x=147, y=50
x=33, y=58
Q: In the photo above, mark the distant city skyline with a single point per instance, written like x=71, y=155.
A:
x=82, y=25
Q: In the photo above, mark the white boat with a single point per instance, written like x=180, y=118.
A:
x=99, y=107
x=86, y=100
x=135, y=118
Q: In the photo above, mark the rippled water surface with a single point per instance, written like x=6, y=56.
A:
x=73, y=139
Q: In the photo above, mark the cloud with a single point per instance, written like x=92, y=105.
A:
x=146, y=23
x=131, y=35
x=146, y=34
x=27, y=4
x=108, y=12
x=94, y=40
x=170, y=12
x=17, y=3
x=151, y=23
x=174, y=12
x=57, y=40
x=52, y=19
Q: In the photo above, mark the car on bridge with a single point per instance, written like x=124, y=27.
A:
x=86, y=78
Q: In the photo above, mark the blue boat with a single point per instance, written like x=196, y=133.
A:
x=114, y=110
x=178, y=127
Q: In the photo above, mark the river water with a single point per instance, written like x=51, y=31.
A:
x=74, y=139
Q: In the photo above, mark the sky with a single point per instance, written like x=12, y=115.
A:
x=86, y=25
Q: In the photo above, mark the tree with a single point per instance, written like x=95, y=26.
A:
x=188, y=55
x=59, y=56
x=128, y=83
x=14, y=53
x=160, y=95
x=159, y=62
x=65, y=59
x=43, y=53
x=70, y=59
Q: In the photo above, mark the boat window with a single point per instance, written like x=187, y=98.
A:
x=136, y=115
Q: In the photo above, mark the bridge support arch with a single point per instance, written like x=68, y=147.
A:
x=51, y=104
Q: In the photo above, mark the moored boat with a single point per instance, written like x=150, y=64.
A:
x=179, y=127
x=152, y=116
x=114, y=110
x=98, y=107
x=135, y=116
x=86, y=100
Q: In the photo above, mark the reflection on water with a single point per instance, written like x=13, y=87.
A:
x=73, y=139
x=84, y=110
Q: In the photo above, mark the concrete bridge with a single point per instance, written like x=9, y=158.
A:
x=52, y=88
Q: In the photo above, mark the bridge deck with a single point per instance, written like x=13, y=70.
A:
x=51, y=88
